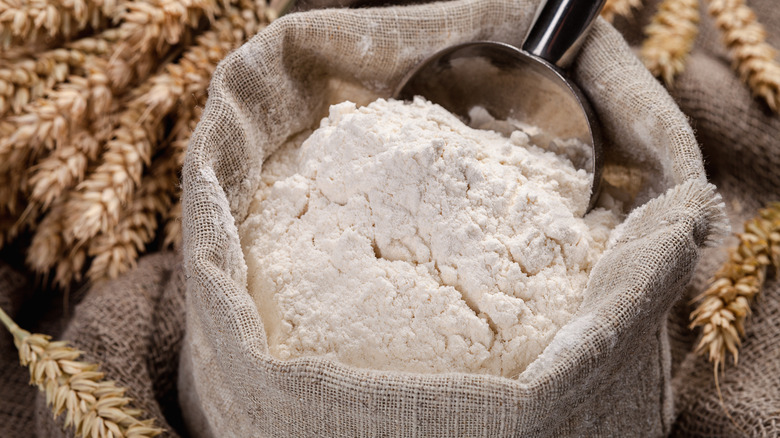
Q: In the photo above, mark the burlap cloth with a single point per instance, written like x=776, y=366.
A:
x=135, y=325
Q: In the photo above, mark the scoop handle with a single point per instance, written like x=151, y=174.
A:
x=560, y=28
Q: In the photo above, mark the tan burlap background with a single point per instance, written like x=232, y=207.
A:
x=135, y=325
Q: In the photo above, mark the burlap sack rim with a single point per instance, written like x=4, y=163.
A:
x=209, y=275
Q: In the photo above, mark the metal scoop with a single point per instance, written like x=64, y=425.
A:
x=526, y=85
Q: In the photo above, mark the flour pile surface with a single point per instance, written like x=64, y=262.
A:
x=395, y=237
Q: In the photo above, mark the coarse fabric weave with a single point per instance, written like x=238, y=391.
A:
x=606, y=373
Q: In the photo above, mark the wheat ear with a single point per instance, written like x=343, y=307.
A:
x=754, y=58
x=46, y=125
x=724, y=306
x=151, y=26
x=622, y=8
x=670, y=38
x=117, y=250
x=94, y=407
x=26, y=77
x=30, y=21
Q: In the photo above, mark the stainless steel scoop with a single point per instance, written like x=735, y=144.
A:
x=527, y=85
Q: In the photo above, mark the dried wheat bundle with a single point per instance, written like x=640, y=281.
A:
x=670, y=37
x=673, y=29
x=754, y=58
x=96, y=205
x=93, y=407
x=619, y=8
x=723, y=307
x=94, y=122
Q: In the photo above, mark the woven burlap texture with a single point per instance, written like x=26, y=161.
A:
x=605, y=373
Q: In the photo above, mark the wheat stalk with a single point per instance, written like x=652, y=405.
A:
x=93, y=407
x=670, y=37
x=754, y=58
x=86, y=138
x=115, y=248
x=724, y=306
x=622, y=8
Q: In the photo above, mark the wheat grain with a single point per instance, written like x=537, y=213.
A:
x=29, y=21
x=622, y=8
x=117, y=250
x=724, y=306
x=62, y=170
x=670, y=38
x=93, y=407
x=754, y=58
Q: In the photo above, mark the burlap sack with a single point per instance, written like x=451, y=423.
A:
x=16, y=397
x=605, y=373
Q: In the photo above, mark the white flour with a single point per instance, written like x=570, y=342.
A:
x=397, y=238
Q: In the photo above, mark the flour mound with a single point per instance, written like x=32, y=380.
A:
x=397, y=238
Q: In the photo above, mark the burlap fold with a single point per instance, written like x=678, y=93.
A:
x=605, y=373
